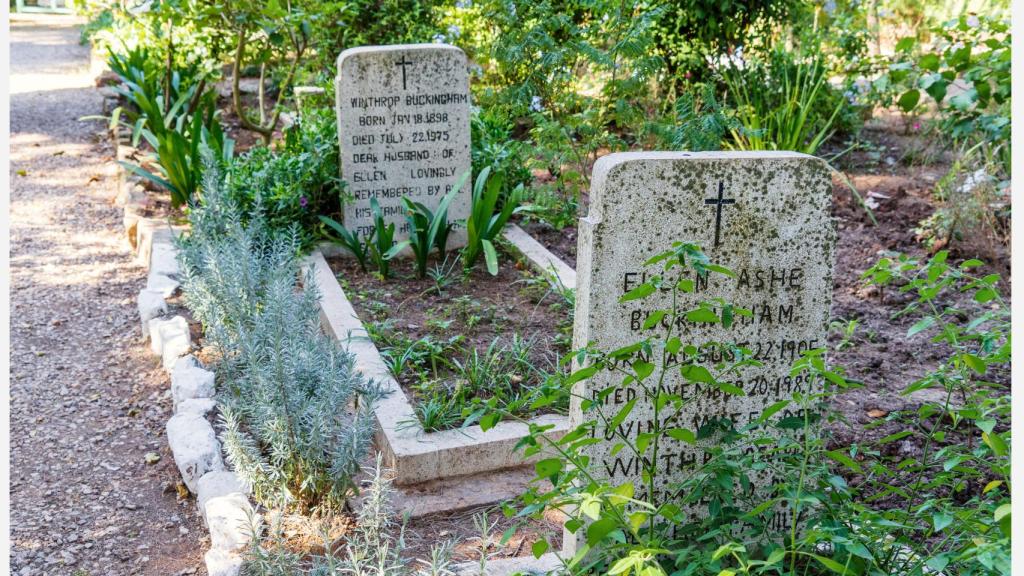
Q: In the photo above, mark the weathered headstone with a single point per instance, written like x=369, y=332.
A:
x=403, y=126
x=763, y=215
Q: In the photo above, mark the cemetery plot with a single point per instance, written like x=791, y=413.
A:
x=454, y=343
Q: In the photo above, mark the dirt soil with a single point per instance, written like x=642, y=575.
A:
x=468, y=314
x=88, y=402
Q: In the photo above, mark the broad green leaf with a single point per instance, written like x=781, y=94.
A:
x=941, y=519
x=909, y=99
x=975, y=363
x=641, y=291
x=845, y=460
x=598, y=530
x=921, y=325
x=539, y=548
x=548, y=467
x=490, y=257
x=702, y=315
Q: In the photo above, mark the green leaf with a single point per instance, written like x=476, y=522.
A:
x=921, y=325
x=1002, y=516
x=996, y=443
x=772, y=410
x=941, y=519
x=654, y=318
x=620, y=417
x=975, y=363
x=695, y=373
x=548, y=467
x=929, y=62
x=490, y=257
x=830, y=564
x=598, y=530
x=909, y=99
x=642, y=291
x=539, y=548
x=906, y=44
x=489, y=421
x=845, y=460
x=702, y=315
x=683, y=435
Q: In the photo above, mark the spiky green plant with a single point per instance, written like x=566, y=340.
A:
x=296, y=417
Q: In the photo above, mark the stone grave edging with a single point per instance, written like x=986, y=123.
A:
x=415, y=455
x=221, y=497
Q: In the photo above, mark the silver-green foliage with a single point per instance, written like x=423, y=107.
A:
x=296, y=417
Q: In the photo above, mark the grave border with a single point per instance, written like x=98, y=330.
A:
x=413, y=454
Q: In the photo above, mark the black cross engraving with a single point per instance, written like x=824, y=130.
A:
x=718, y=202
x=403, y=63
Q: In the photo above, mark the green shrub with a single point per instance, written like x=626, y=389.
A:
x=295, y=183
x=690, y=32
x=852, y=510
x=176, y=116
x=296, y=417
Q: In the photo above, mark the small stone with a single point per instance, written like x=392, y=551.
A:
x=221, y=563
x=152, y=458
x=195, y=447
x=189, y=381
x=151, y=305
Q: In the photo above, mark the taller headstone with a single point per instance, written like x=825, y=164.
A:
x=765, y=216
x=403, y=126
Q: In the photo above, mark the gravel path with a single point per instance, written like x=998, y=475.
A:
x=87, y=401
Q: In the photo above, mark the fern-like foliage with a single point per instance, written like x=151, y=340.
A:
x=699, y=123
x=296, y=417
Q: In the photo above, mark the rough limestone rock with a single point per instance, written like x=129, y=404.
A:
x=200, y=406
x=231, y=520
x=163, y=259
x=216, y=484
x=221, y=563
x=189, y=381
x=163, y=329
x=195, y=447
x=163, y=284
x=151, y=305
x=177, y=342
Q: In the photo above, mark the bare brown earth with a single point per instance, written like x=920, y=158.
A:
x=87, y=401
x=470, y=312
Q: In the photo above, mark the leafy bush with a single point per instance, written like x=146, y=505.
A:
x=853, y=510
x=295, y=183
x=494, y=147
x=691, y=32
x=698, y=123
x=176, y=116
x=973, y=51
x=296, y=417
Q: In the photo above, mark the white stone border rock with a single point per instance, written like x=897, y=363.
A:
x=222, y=498
x=413, y=454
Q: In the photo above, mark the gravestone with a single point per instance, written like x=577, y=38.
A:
x=766, y=216
x=403, y=127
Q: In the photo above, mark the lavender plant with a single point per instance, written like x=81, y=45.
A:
x=296, y=417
